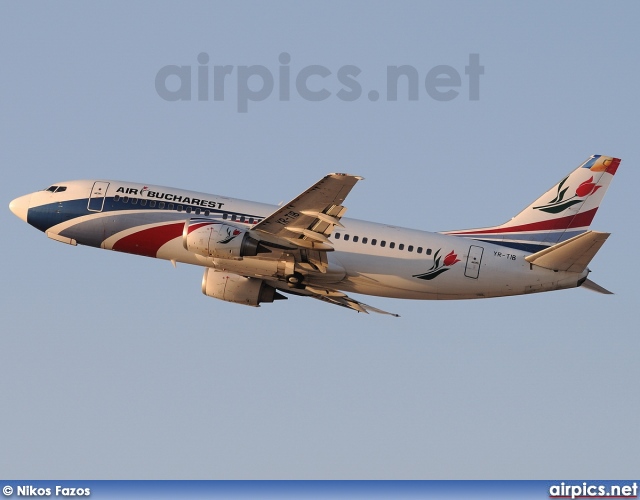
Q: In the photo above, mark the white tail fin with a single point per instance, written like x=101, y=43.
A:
x=563, y=212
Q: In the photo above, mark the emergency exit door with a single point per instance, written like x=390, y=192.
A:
x=473, y=262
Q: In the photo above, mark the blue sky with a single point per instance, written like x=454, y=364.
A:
x=116, y=366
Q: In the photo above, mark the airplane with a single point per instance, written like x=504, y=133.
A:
x=252, y=252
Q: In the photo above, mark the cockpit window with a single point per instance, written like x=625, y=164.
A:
x=56, y=189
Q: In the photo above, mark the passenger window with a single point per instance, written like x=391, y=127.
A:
x=428, y=251
x=206, y=213
x=125, y=199
x=364, y=240
x=374, y=241
x=180, y=207
x=188, y=210
x=134, y=201
x=337, y=236
x=383, y=243
x=242, y=218
x=250, y=220
x=170, y=207
x=152, y=203
x=197, y=211
x=419, y=249
x=116, y=197
x=355, y=239
x=392, y=244
x=410, y=248
x=225, y=216
x=143, y=203
x=233, y=217
x=401, y=246
x=346, y=237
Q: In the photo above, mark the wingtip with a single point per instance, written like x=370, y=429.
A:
x=338, y=174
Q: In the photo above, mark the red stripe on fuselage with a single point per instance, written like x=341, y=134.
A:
x=148, y=241
x=581, y=220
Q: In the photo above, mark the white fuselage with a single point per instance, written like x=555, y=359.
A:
x=369, y=258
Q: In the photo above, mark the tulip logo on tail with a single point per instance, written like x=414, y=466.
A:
x=439, y=267
x=558, y=204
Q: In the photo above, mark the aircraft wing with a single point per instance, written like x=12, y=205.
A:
x=308, y=220
x=347, y=301
x=334, y=297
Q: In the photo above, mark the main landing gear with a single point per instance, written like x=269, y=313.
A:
x=294, y=280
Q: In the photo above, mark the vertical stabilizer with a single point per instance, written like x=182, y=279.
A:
x=563, y=212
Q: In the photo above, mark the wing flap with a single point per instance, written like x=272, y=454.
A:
x=308, y=219
x=572, y=255
x=350, y=303
x=338, y=298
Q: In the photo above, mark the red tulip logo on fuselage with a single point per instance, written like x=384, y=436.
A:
x=439, y=265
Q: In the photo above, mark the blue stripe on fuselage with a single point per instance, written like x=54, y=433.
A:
x=44, y=217
x=526, y=247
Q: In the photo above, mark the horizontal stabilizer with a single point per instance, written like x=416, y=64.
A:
x=572, y=255
x=590, y=285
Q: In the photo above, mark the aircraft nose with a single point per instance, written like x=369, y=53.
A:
x=20, y=206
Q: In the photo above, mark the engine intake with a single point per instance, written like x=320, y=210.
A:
x=238, y=289
x=218, y=239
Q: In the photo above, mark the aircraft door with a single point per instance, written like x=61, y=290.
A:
x=474, y=259
x=96, y=198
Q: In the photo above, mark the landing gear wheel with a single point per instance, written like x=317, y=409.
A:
x=294, y=280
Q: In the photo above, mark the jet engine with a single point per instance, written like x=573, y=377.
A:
x=238, y=289
x=217, y=239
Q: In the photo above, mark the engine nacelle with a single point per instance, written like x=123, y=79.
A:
x=218, y=239
x=238, y=289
